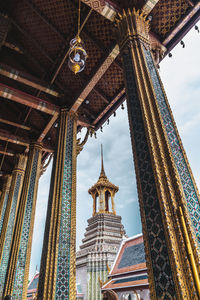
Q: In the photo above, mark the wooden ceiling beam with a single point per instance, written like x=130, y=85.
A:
x=27, y=99
x=27, y=79
x=107, y=8
x=12, y=47
x=9, y=137
x=7, y=152
x=149, y=5
x=14, y=139
x=14, y=124
x=95, y=78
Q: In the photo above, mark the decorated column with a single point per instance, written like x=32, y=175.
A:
x=168, y=197
x=58, y=263
x=4, y=198
x=19, y=259
x=10, y=216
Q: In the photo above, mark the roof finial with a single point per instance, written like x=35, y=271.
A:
x=102, y=174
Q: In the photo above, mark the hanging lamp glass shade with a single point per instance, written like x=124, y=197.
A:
x=77, y=55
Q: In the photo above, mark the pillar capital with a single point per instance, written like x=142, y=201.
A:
x=35, y=145
x=20, y=164
x=64, y=110
x=132, y=26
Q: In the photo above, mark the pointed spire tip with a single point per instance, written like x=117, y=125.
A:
x=102, y=174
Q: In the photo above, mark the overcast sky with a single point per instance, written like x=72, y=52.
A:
x=181, y=77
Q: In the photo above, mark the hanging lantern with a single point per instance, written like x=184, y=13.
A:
x=77, y=55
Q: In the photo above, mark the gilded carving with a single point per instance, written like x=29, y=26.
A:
x=80, y=145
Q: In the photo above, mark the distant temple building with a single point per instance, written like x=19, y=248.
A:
x=32, y=287
x=128, y=278
x=102, y=239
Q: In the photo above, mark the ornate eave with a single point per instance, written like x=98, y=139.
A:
x=103, y=183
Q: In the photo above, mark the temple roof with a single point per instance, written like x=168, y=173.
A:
x=130, y=257
x=32, y=287
x=129, y=268
x=103, y=181
x=35, y=80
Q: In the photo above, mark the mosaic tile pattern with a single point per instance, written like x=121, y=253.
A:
x=63, y=266
x=8, y=237
x=3, y=211
x=161, y=267
x=192, y=200
x=19, y=273
x=132, y=255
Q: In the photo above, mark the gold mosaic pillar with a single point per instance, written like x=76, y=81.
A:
x=4, y=198
x=168, y=197
x=58, y=263
x=19, y=259
x=10, y=216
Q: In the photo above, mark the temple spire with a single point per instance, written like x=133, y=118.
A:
x=102, y=191
x=102, y=174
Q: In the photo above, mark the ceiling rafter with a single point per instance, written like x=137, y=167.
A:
x=27, y=99
x=106, y=8
x=27, y=79
x=12, y=138
x=7, y=152
x=149, y=5
x=14, y=124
